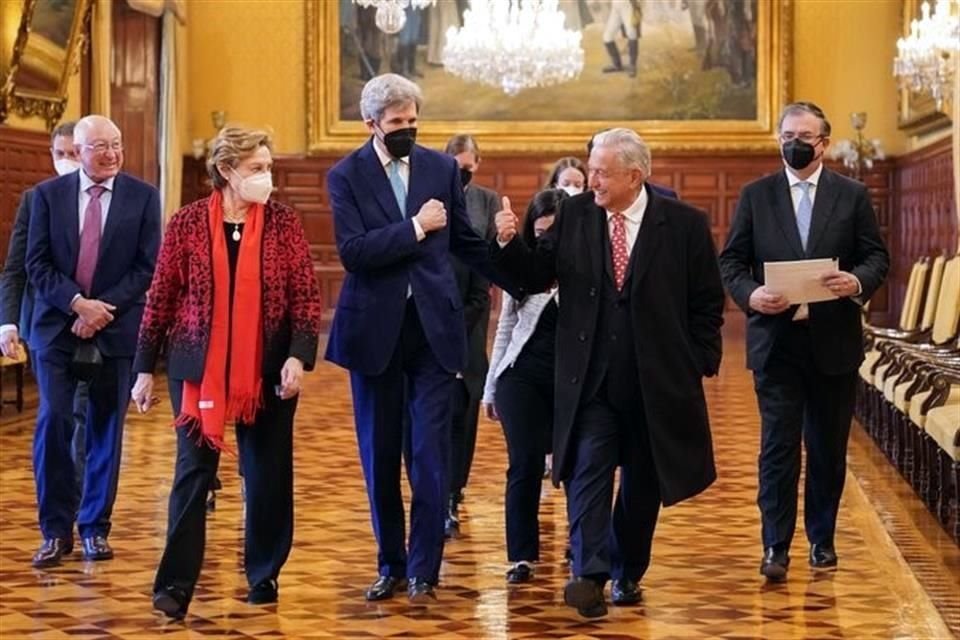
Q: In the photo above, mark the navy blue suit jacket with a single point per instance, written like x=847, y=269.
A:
x=663, y=191
x=128, y=255
x=379, y=250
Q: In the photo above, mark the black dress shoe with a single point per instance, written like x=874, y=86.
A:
x=96, y=548
x=520, y=572
x=823, y=557
x=172, y=602
x=421, y=592
x=587, y=596
x=51, y=552
x=774, y=564
x=384, y=588
x=264, y=592
x=625, y=592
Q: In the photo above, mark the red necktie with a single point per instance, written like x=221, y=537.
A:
x=618, y=243
x=89, y=240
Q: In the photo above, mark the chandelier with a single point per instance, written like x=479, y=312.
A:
x=927, y=58
x=513, y=45
x=392, y=14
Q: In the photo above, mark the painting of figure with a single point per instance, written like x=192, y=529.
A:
x=664, y=60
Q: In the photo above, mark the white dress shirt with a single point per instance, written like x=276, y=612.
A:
x=634, y=217
x=404, y=170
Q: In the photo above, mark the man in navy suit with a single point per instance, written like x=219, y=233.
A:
x=91, y=250
x=399, y=213
x=804, y=358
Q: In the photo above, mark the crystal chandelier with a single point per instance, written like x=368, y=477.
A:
x=927, y=58
x=513, y=45
x=392, y=14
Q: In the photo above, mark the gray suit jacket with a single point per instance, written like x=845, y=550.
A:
x=482, y=207
x=16, y=294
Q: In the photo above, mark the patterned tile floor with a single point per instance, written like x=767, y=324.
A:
x=703, y=583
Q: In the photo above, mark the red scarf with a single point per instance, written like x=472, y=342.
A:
x=210, y=404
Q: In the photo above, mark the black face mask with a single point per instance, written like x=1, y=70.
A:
x=400, y=143
x=465, y=176
x=798, y=153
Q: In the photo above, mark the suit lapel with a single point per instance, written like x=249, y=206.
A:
x=419, y=181
x=823, y=202
x=114, y=214
x=374, y=172
x=71, y=215
x=782, y=205
x=646, y=243
x=593, y=227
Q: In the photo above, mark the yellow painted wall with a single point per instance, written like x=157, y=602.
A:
x=843, y=60
x=246, y=57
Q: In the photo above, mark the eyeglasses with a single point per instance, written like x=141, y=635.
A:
x=809, y=138
x=101, y=147
x=603, y=174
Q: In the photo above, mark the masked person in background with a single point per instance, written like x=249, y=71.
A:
x=568, y=174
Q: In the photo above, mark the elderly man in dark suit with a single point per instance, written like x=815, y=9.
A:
x=399, y=215
x=91, y=250
x=639, y=327
x=804, y=358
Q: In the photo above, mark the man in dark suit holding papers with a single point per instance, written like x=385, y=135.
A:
x=804, y=357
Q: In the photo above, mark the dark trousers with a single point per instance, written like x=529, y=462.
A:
x=603, y=438
x=266, y=454
x=60, y=501
x=525, y=405
x=463, y=435
x=378, y=404
x=797, y=401
x=78, y=446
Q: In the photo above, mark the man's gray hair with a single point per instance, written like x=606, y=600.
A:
x=385, y=91
x=632, y=151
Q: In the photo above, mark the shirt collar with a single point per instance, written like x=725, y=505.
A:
x=386, y=158
x=814, y=178
x=633, y=213
x=86, y=182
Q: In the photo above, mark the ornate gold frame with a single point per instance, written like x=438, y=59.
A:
x=27, y=103
x=326, y=132
x=918, y=114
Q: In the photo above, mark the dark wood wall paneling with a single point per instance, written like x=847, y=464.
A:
x=134, y=88
x=24, y=161
x=926, y=221
x=710, y=181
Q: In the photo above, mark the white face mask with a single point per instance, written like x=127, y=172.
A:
x=63, y=166
x=572, y=189
x=255, y=188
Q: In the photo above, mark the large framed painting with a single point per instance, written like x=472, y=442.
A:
x=711, y=74
x=918, y=111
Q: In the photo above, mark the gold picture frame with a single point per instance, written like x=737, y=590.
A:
x=328, y=132
x=918, y=113
x=46, y=52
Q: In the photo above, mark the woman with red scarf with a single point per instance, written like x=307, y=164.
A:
x=235, y=306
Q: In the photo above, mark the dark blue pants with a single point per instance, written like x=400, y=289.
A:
x=617, y=547
x=59, y=500
x=800, y=403
x=378, y=404
x=266, y=455
x=78, y=447
x=525, y=406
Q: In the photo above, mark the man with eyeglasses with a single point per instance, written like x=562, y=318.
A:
x=91, y=249
x=804, y=358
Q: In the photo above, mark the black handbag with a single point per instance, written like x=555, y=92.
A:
x=87, y=361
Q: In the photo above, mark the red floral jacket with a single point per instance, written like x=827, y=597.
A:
x=180, y=301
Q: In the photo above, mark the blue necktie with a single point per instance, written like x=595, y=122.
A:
x=804, y=213
x=399, y=189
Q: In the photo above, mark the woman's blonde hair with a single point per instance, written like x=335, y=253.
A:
x=232, y=144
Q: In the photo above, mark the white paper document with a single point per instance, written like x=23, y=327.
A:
x=799, y=280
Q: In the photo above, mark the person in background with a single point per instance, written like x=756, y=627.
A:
x=519, y=393
x=16, y=294
x=482, y=207
x=568, y=174
x=91, y=250
x=236, y=305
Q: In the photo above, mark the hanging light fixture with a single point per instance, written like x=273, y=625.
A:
x=513, y=45
x=927, y=58
x=392, y=14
